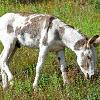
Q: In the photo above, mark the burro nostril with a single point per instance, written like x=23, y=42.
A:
x=88, y=76
x=93, y=77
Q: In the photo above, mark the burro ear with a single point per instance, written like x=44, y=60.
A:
x=97, y=42
x=94, y=40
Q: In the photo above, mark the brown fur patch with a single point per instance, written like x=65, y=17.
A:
x=35, y=26
x=49, y=22
x=10, y=29
x=57, y=36
x=80, y=44
x=48, y=25
x=18, y=30
x=86, y=63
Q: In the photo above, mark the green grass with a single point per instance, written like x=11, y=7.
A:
x=84, y=17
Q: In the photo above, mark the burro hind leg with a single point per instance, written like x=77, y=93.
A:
x=7, y=76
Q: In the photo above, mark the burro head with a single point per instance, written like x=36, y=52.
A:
x=86, y=55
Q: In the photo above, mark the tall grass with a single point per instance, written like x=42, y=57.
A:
x=84, y=17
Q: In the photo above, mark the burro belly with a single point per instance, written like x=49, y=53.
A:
x=26, y=40
x=56, y=46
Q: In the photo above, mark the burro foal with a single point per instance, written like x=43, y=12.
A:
x=47, y=33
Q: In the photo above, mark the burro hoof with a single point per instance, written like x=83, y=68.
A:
x=66, y=82
x=5, y=87
x=8, y=85
x=35, y=87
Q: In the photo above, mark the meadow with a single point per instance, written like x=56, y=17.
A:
x=83, y=16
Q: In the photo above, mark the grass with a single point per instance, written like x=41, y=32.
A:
x=84, y=17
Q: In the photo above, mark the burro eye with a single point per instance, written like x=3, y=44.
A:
x=89, y=57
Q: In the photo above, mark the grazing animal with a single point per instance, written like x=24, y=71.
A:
x=47, y=33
